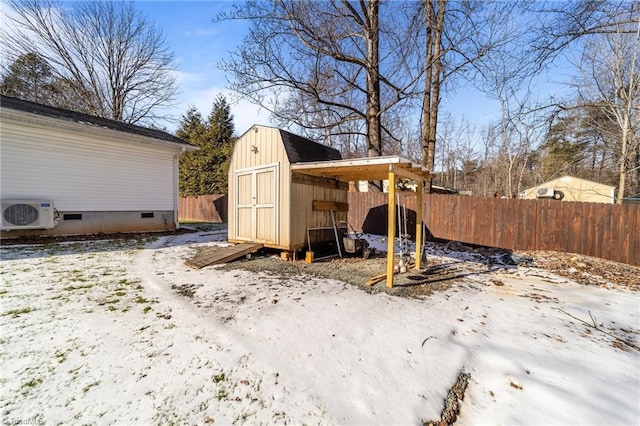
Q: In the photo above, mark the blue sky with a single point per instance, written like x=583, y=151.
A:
x=199, y=45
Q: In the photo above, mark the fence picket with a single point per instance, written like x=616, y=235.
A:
x=602, y=230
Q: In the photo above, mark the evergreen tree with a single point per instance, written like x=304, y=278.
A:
x=220, y=133
x=205, y=171
x=564, y=149
x=30, y=78
x=192, y=131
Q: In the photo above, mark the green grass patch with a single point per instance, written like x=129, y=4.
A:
x=60, y=297
x=78, y=287
x=120, y=293
x=89, y=386
x=61, y=356
x=141, y=299
x=28, y=386
x=222, y=394
x=147, y=309
x=17, y=312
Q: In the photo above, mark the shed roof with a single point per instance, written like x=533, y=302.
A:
x=303, y=150
x=370, y=168
x=78, y=117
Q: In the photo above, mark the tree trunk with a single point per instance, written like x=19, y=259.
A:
x=374, y=125
x=623, y=160
x=433, y=75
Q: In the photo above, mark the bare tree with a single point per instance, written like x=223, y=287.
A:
x=457, y=36
x=434, y=57
x=324, y=66
x=561, y=24
x=611, y=82
x=114, y=61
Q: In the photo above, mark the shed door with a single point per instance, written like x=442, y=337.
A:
x=257, y=204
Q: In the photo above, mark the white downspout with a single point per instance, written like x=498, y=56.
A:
x=176, y=178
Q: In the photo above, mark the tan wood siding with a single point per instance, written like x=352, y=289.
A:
x=302, y=197
x=256, y=149
x=85, y=172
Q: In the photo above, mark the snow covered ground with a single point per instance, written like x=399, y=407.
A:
x=123, y=332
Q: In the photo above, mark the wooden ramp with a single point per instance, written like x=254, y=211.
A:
x=219, y=255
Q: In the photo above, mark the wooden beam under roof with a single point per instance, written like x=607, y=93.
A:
x=374, y=168
x=408, y=173
x=370, y=168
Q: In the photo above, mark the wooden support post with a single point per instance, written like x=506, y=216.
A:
x=391, y=227
x=419, y=223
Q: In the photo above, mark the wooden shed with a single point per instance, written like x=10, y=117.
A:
x=268, y=203
x=281, y=185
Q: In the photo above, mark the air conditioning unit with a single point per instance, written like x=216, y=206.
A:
x=545, y=192
x=27, y=214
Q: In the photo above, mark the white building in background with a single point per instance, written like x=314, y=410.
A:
x=569, y=188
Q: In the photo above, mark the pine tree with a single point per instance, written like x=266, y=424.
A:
x=220, y=135
x=30, y=78
x=205, y=171
x=192, y=130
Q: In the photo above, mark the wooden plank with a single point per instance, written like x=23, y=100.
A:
x=407, y=173
x=336, y=206
x=608, y=238
x=391, y=228
x=508, y=239
x=419, y=225
x=568, y=217
x=582, y=222
x=222, y=255
x=376, y=279
x=520, y=226
x=596, y=230
x=634, y=229
x=623, y=235
x=318, y=181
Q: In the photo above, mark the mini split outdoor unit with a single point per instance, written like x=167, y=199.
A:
x=545, y=192
x=27, y=214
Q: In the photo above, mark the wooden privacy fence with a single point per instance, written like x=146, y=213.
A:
x=607, y=231
x=203, y=208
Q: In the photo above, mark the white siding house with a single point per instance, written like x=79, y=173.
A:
x=100, y=175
